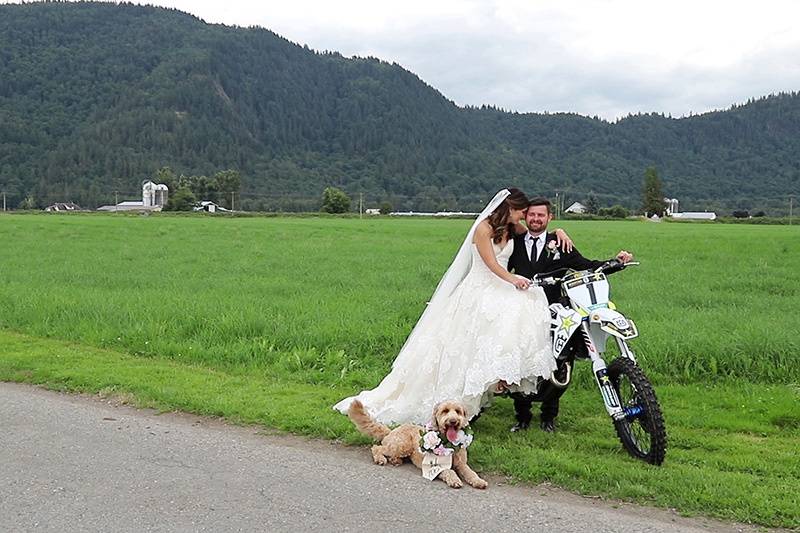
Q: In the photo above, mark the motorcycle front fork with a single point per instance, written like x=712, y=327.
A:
x=610, y=396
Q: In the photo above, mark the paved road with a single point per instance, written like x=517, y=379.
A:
x=77, y=463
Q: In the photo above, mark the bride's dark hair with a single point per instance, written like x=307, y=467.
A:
x=499, y=219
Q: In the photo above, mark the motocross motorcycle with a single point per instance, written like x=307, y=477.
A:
x=581, y=325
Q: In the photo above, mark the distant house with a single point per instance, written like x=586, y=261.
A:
x=372, y=211
x=129, y=206
x=577, y=208
x=695, y=215
x=62, y=206
x=455, y=214
x=208, y=206
x=459, y=214
x=154, y=198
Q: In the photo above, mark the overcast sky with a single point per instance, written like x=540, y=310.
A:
x=593, y=57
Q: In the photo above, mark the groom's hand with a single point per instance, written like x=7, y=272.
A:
x=625, y=257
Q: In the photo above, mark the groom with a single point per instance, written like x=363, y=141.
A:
x=535, y=252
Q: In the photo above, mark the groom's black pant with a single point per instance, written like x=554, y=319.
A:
x=549, y=396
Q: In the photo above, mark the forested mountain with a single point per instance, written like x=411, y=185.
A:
x=95, y=97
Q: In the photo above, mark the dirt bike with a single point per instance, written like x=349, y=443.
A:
x=580, y=328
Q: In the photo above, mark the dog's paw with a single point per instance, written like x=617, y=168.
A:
x=379, y=460
x=480, y=484
x=454, y=483
x=396, y=461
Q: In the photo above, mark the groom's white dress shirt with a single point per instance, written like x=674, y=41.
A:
x=529, y=242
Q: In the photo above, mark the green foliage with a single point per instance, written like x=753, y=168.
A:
x=28, y=203
x=335, y=201
x=386, y=208
x=591, y=204
x=181, y=200
x=652, y=195
x=187, y=190
x=86, y=113
x=166, y=176
x=615, y=211
x=121, y=257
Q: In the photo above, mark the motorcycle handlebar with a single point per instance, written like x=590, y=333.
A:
x=556, y=276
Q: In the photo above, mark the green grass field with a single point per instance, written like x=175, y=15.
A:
x=271, y=320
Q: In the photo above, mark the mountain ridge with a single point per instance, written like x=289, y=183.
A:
x=95, y=97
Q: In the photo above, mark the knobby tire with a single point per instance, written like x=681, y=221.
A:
x=643, y=436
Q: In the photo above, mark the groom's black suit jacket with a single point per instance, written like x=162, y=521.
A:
x=520, y=263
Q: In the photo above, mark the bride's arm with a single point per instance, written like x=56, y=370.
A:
x=563, y=241
x=483, y=240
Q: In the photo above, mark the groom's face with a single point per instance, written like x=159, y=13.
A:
x=537, y=217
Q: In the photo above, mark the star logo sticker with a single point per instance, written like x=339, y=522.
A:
x=566, y=323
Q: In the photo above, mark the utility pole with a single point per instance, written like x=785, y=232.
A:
x=791, y=201
x=116, y=199
x=4, y=200
x=361, y=205
x=556, y=206
x=233, y=193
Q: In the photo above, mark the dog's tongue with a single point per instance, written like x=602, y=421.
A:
x=452, y=434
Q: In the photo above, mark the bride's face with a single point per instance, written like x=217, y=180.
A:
x=515, y=215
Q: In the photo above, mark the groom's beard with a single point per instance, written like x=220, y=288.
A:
x=536, y=229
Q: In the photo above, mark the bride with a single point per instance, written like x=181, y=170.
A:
x=484, y=330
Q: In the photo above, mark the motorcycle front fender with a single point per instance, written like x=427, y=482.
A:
x=614, y=323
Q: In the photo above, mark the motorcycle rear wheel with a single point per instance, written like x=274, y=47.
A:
x=642, y=431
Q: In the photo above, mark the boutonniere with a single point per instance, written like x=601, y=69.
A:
x=552, y=251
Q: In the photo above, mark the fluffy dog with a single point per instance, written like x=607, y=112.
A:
x=403, y=442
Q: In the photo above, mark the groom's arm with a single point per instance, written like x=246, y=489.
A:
x=576, y=261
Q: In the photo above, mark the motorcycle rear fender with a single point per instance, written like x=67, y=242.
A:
x=614, y=323
x=563, y=324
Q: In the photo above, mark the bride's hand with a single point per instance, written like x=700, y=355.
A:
x=563, y=241
x=521, y=283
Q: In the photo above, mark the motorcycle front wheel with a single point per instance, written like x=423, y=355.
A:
x=642, y=431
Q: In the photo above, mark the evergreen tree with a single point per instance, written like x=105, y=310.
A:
x=591, y=204
x=652, y=196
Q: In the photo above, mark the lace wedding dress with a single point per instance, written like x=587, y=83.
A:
x=486, y=330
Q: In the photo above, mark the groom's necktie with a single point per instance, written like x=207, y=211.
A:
x=534, y=240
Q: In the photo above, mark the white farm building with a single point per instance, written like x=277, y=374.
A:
x=154, y=198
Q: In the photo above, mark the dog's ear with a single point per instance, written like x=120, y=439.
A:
x=462, y=411
x=434, y=417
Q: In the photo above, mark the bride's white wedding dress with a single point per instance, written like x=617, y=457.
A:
x=487, y=330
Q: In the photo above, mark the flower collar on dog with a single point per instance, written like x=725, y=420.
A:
x=431, y=442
